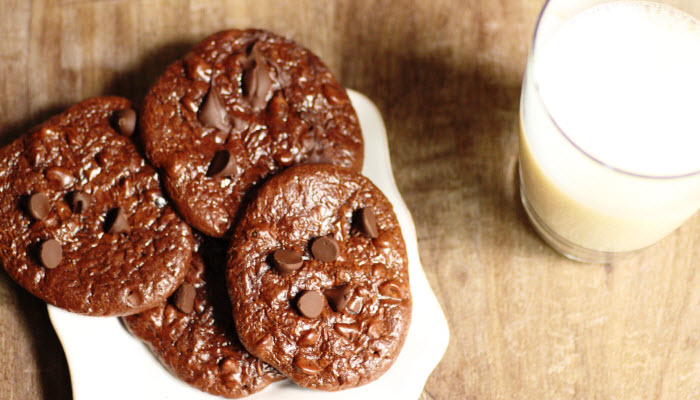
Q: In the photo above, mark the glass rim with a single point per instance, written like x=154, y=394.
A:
x=530, y=70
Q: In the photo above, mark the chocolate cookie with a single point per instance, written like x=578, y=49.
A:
x=83, y=223
x=318, y=277
x=238, y=107
x=193, y=334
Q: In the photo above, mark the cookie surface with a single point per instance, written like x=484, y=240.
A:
x=318, y=278
x=83, y=223
x=240, y=106
x=194, y=337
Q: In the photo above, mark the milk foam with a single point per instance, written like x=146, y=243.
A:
x=622, y=80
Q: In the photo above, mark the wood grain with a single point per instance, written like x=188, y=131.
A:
x=525, y=323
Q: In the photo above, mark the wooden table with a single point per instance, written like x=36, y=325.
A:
x=525, y=322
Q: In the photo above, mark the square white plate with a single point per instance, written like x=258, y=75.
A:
x=106, y=362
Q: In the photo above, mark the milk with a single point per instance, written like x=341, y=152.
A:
x=622, y=81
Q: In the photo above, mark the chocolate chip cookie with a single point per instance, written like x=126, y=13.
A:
x=193, y=334
x=83, y=223
x=318, y=277
x=238, y=107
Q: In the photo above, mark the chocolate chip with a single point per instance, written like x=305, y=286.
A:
x=222, y=165
x=306, y=365
x=367, y=222
x=183, y=298
x=338, y=297
x=308, y=338
x=213, y=112
x=325, y=249
x=60, y=175
x=81, y=201
x=310, y=304
x=286, y=261
x=117, y=221
x=334, y=94
x=103, y=159
x=257, y=81
x=126, y=121
x=39, y=206
x=50, y=253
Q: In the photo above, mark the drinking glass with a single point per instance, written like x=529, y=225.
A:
x=580, y=194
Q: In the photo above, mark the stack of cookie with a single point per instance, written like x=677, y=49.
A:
x=296, y=268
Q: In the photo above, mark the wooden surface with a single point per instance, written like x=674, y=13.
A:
x=525, y=323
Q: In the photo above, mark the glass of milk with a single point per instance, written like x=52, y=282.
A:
x=610, y=124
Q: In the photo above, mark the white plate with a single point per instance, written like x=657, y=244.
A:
x=106, y=362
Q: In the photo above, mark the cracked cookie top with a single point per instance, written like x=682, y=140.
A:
x=193, y=334
x=318, y=278
x=83, y=223
x=240, y=106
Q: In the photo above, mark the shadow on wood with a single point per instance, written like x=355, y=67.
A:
x=13, y=130
x=134, y=83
